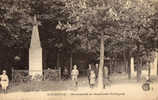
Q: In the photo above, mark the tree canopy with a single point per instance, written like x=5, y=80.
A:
x=127, y=25
x=17, y=19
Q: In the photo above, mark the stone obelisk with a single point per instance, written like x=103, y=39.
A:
x=35, y=52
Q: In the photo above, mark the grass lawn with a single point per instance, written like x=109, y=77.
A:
x=47, y=85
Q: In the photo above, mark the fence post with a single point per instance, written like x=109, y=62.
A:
x=59, y=73
x=43, y=75
x=12, y=74
x=12, y=69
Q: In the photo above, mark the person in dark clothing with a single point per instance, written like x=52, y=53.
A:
x=96, y=70
x=65, y=74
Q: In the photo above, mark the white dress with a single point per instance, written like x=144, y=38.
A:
x=4, y=81
x=92, y=78
x=74, y=74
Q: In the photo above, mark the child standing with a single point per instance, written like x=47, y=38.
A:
x=92, y=78
x=4, y=81
x=74, y=75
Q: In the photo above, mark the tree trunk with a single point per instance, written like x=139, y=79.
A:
x=125, y=64
x=139, y=68
x=110, y=68
x=100, y=74
x=149, y=71
x=58, y=60
x=44, y=58
x=71, y=62
x=129, y=67
x=112, y=65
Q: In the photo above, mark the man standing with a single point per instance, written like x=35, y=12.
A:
x=4, y=81
x=74, y=75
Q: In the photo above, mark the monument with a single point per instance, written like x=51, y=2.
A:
x=35, y=52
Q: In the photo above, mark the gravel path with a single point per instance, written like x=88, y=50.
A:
x=59, y=90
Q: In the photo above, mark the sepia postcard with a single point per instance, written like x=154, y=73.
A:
x=79, y=49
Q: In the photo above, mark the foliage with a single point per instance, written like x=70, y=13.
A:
x=37, y=77
x=51, y=74
x=126, y=24
x=17, y=19
x=21, y=76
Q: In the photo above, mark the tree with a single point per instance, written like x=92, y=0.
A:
x=16, y=22
x=92, y=18
x=119, y=22
x=17, y=19
x=139, y=29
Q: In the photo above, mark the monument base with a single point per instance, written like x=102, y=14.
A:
x=35, y=63
x=36, y=74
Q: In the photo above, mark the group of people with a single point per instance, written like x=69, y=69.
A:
x=92, y=73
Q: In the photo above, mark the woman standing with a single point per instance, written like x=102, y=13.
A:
x=92, y=79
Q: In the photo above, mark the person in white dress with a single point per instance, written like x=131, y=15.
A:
x=74, y=74
x=4, y=81
x=92, y=79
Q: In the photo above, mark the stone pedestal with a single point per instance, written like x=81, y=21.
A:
x=35, y=53
x=35, y=61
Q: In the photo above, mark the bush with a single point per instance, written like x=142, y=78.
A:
x=38, y=77
x=51, y=74
x=21, y=76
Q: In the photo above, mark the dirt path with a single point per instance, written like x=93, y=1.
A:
x=58, y=90
x=126, y=91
